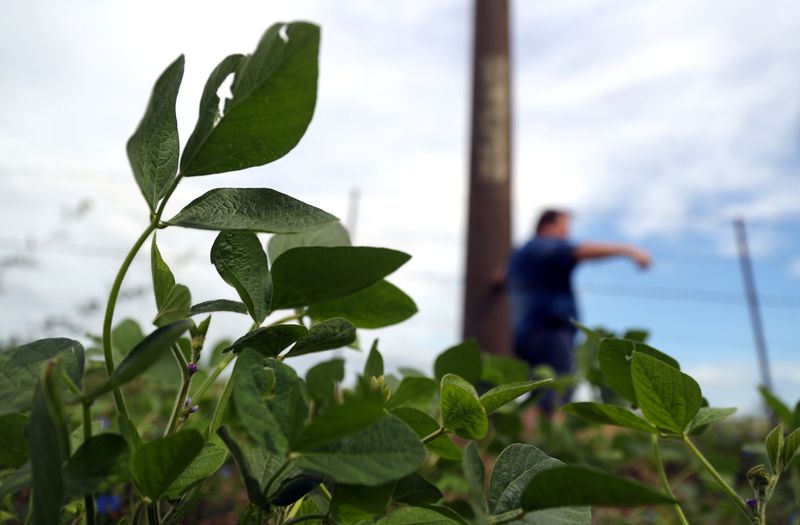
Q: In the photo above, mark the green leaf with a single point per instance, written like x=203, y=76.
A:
x=416, y=392
x=252, y=385
x=153, y=148
x=577, y=485
x=462, y=412
x=474, y=474
x=339, y=421
x=774, y=445
x=100, y=461
x=322, y=378
x=424, y=425
x=13, y=444
x=327, y=335
x=274, y=92
x=250, y=209
x=352, y=503
x=129, y=432
x=126, y=335
x=334, y=234
x=309, y=275
x=790, y=446
x=416, y=516
x=610, y=415
x=374, y=364
x=175, y=306
x=293, y=487
x=254, y=491
x=270, y=340
x=218, y=305
x=381, y=304
x=208, y=462
x=416, y=490
x=18, y=480
x=143, y=356
x=384, y=451
x=777, y=406
x=668, y=398
x=464, y=360
x=20, y=367
x=157, y=464
x=500, y=395
x=289, y=402
x=615, y=361
x=242, y=263
x=707, y=415
x=499, y=370
x=163, y=280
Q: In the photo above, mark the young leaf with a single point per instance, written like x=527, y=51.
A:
x=13, y=444
x=774, y=444
x=424, y=425
x=790, y=446
x=578, y=485
x=777, y=406
x=157, y=464
x=353, y=503
x=500, y=370
x=242, y=263
x=463, y=359
x=500, y=395
x=417, y=516
x=310, y=275
x=163, y=280
x=615, y=361
x=250, y=209
x=153, y=147
x=322, y=378
x=374, y=365
x=143, y=356
x=334, y=234
x=384, y=451
x=269, y=341
x=252, y=384
x=610, y=415
x=208, y=462
x=218, y=305
x=416, y=490
x=707, y=415
x=475, y=473
x=174, y=307
x=381, y=304
x=327, y=335
x=274, y=93
x=96, y=464
x=669, y=398
x=462, y=412
x=415, y=392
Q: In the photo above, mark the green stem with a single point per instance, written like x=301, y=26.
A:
x=288, y=318
x=219, y=411
x=662, y=474
x=722, y=483
x=152, y=514
x=433, y=435
x=186, y=381
x=109, y=316
x=222, y=365
x=306, y=517
x=88, y=498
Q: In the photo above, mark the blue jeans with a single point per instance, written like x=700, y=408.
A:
x=552, y=346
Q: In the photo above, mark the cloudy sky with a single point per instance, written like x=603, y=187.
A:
x=657, y=122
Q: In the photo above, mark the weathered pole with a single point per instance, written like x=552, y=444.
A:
x=489, y=215
x=752, y=303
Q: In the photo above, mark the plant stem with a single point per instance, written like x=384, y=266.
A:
x=288, y=318
x=433, y=435
x=216, y=419
x=88, y=498
x=212, y=377
x=722, y=483
x=152, y=514
x=186, y=381
x=306, y=517
x=109, y=316
x=662, y=474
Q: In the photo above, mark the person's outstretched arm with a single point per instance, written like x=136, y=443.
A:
x=592, y=250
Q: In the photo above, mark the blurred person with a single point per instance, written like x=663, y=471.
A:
x=543, y=305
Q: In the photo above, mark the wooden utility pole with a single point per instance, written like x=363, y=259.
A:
x=489, y=215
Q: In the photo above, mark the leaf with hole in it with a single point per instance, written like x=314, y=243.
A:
x=218, y=305
x=500, y=395
x=157, y=464
x=20, y=367
x=334, y=234
x=242, y=263
x=163, y=279
x=174, y=307
x=13, y=443
x=153, y=148
x=274, y=92
x=208, y=462
x=379, y=305
x=416, y=490
x=143, y=356
x=706, y=416
x=252, y=385
x=415, y=392
x=774, y=446
x=668, y=398
x=463, y=359
x=327, y=335
x=424, y=425
x=384, y=451
x=578, y=485
x=418, y=516
x=100, y=461
x=250, y=209
x=462, y=412
x=615, y=361
x=269, y=341
x=610, y=415
x=309, y=275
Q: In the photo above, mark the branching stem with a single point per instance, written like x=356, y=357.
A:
x=433, y=435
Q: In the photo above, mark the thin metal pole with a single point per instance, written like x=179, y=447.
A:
x=489, y=215
x=752, y=302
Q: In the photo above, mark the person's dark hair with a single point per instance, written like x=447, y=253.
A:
x=549, y=217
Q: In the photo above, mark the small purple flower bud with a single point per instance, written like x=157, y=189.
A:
x=188, y=402
x=752, y=503
x=194, y=409
x=192, y=368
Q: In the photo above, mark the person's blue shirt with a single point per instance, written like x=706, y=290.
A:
x=540, y=285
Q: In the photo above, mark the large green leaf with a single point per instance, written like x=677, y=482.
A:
x=13, y=444
x=20, y=367
x=163, y=279
x=417, y=516
x=250, y=209
x=424, y=425
x=270, y=340
x=252, y=385
x=339, y=421
x=463, y=359
x=515, y=467
x=668, y=398
x=327, y=335
x=174, y=307
x=384, y=451
x=615, y=361
x=153, y=147
x=707, y=415
x=309, y=275
x=242, y=263
x=578, y=485
x=218, y=305
x=610, y=415
x=416, y=392
x=143, y=356
x=125, y=336
x=209, y=461
x=352, y=503
x=381, y=304
x=100, y=461
x=462, y=412
x=500, y=395
x=274, y=92
x=289, y=402
x=157, y=464
x=334, y=234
